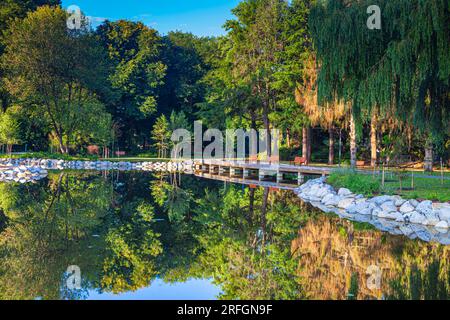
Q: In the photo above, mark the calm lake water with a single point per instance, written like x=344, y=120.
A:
x=148, y=236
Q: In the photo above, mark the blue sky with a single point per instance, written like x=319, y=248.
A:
x=158, y=290
x=201, y=17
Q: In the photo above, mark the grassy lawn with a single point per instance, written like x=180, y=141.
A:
x=371, y=185
x=47, y=155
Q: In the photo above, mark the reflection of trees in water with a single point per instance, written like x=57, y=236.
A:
x=335, y=256
x=47, y=230
x=168, y=194
x=132, y=246
x=246, y=236
x=102, y=223
x=423, y=273
x=124, y=232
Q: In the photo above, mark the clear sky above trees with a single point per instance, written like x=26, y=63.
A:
x=200, y=17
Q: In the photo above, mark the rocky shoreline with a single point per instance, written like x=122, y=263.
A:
x=32, y=170
x=426, y=220
x=52, y=164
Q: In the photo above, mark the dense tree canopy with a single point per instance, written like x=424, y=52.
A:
x=311, y=68
x=134, y=52
x=404, y=66
x=10, y=9
x=401, y=70
x=63, y=76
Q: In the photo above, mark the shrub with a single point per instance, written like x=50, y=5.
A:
x=356, y=182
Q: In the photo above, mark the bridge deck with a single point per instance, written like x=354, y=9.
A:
x=263, y=172
x=268, y=167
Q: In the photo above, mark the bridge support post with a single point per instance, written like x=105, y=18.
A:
x=261, y=175
x=301, y=178
x=232, y=172
x=280, y=177
x=221, y=171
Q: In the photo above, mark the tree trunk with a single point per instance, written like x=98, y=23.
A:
x=268, y=136
x=263, y=215
x=305, y=142
x=61, y=144
x=353, y=148
x=288, y=137
x=428, y=164
x=373, y=141
x=308, y=159
x=61, y=148
x=331, y=147
x=251, y=207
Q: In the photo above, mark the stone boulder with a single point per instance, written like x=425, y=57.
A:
x=406, y=230
x=381, y=199
x=407, y=207
x=327, y=198
x=344, y=192
x=389, y=206
x=425, y=207
x=356, y=208
x=393, y=215
x=431, y=220
x=399, y=202
x=376, y=211
x=443, y=211
x=442, y=225
x=333, y=201
x=345, y=203
x=416, y=217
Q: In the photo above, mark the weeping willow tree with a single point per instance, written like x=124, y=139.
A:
x=401, y=69
x=327, y=115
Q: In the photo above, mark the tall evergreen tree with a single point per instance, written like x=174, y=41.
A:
x=256, y=49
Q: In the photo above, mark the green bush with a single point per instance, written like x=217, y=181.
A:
x=356, y=182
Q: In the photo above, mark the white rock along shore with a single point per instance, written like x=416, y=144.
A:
x=405, y=216
x=52, y=164
x=31, y=170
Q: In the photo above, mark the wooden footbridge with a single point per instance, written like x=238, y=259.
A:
x=248, y=171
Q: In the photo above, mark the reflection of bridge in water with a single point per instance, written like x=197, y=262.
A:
x=266, y=174
x=253, y=183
